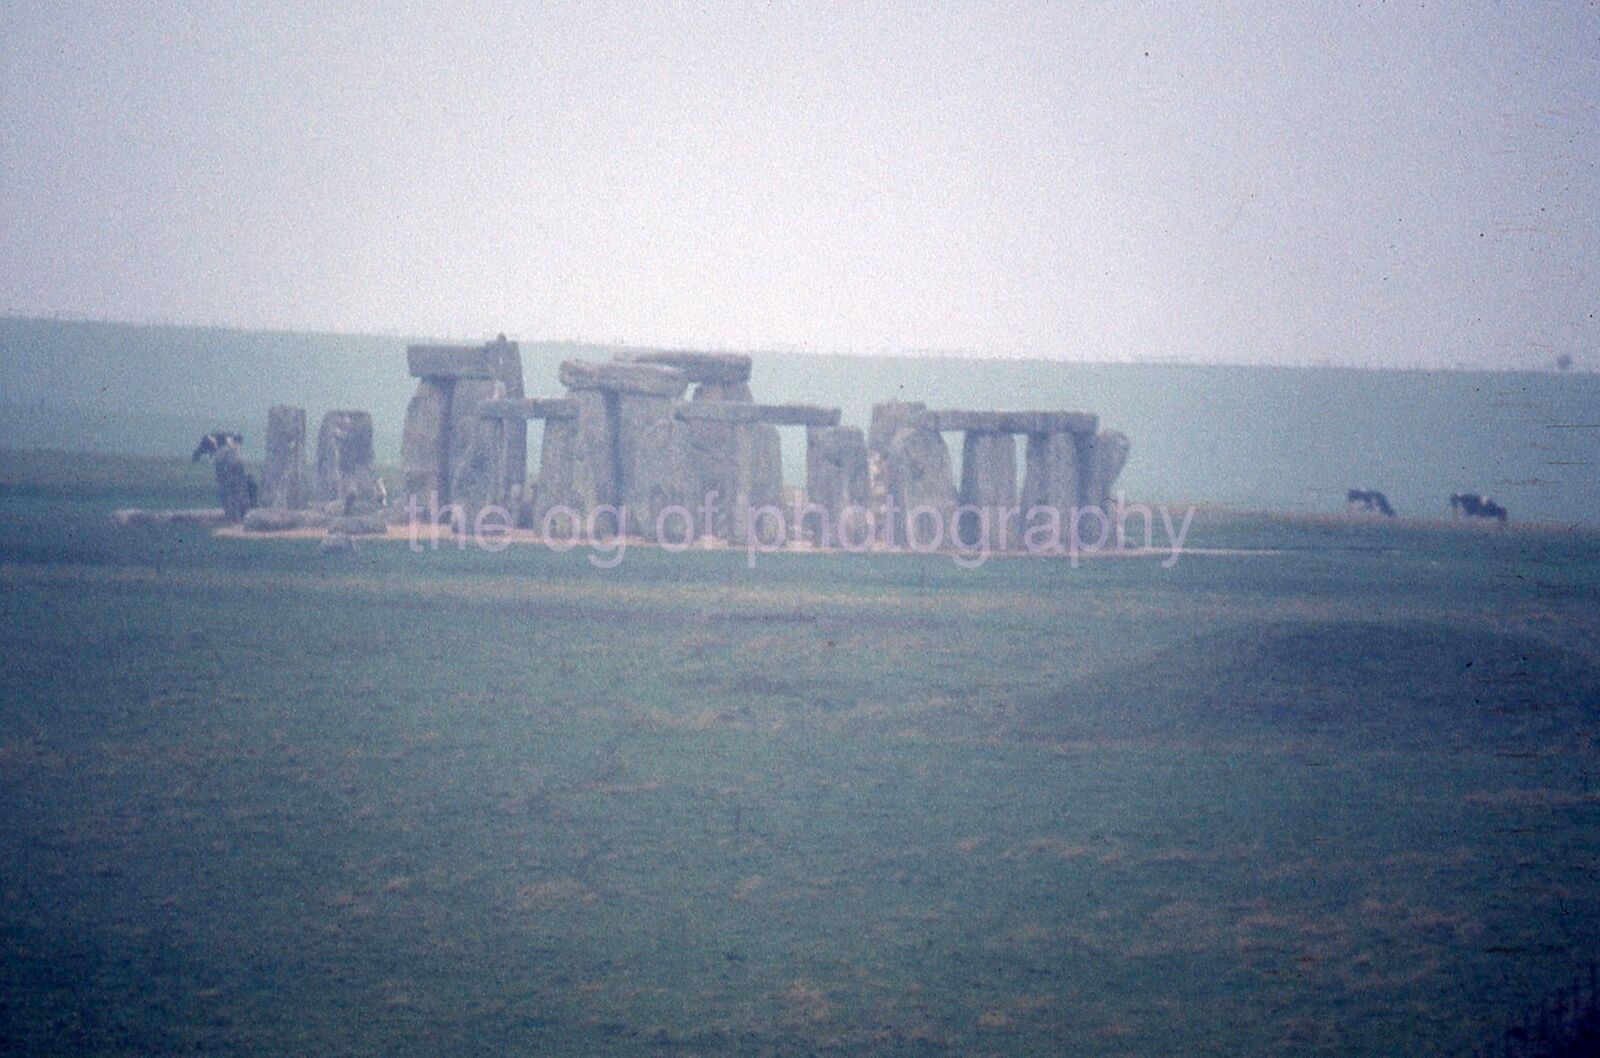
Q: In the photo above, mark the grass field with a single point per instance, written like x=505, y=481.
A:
x=1336, y=799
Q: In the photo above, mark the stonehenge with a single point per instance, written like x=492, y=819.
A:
x=672, y=447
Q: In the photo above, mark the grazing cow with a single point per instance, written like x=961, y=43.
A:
x=216, y=441
x=1476, y=505
x=1368, y=501
x=236, y=487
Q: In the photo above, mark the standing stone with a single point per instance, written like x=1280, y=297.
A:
x=664, y=476
x=988, y=481
x=443, y=424
x=641, y=421
x=757, y=483
x=283, y=469
x=592, y=447
x=555, y=489
x=1052, y=474
x=837, y=475
x=346, y=476
x=920, y=476
x=1108, y=454
x=425, y=444
x=888, y=419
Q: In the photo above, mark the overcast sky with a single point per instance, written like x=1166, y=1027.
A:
x=1355, y=183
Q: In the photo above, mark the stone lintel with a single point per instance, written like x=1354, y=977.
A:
x=529, y=408
x=651, y=380
x=451, y=361
x=1029, y=422
x=797, y=415
x=718, y=411
x=699, y=368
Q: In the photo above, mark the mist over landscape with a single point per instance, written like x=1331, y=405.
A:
x=800, y=529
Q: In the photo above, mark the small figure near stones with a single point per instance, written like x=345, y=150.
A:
x=216, y=441
x=1369, y=501
x=236, y=488
x=1476, y=505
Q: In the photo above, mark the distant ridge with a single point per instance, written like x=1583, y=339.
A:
x=1250, y=436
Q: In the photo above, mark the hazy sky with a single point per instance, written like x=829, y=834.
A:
x=1356, y=183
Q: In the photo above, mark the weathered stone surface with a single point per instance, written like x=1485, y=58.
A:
x=988, y=481
x=1108, y=454
x=454, y=361
x=736, y=391
x=443, y=423
x=345, y=472
x=798, y=415
x=481, y=477
x=664, y=475
x=757, y=482
x=1008, y=421
x=425, y=444
x=700, y=368
x=555, y=485
x=593, y=479
x=920, y=476
x=648, y=380
x=837, y=475
x=717, y=411
x=236, y=489
x=889, y=419
x=358, y=525
x=283, y=468
x=1052, y=476
x=637, y=418
x=283, y=520
x=527, y=408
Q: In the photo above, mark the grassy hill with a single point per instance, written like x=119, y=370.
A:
x=1266, y=437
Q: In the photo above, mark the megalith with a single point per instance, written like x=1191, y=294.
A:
x=346, y=477
x=838, y=477
x=921, y=483
x=989, y=483
x=1051, y=479
x=283, y=467
x=618, y=408
x=235, y=488
x=1108, y=454
x=446, y=438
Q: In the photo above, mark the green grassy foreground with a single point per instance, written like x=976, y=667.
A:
x=1338, y=799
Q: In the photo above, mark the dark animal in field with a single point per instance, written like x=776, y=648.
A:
x=215, y=442
x=236, y=487
x=1476, y=505
x=1369, y=500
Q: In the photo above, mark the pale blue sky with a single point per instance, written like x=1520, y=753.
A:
x=1356, y=183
